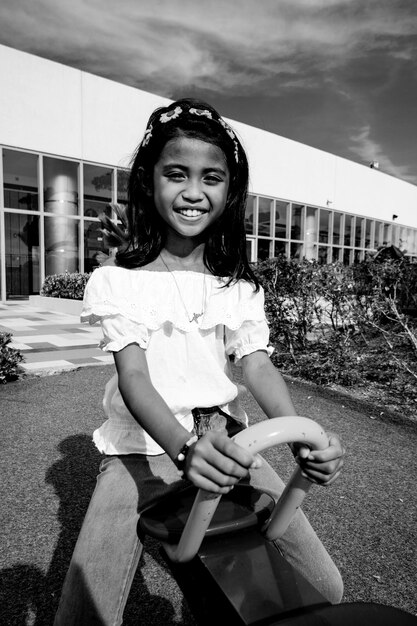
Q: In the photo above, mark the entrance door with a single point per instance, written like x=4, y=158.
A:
x=22, y=254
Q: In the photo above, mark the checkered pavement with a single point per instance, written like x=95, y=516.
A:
x=50, y=341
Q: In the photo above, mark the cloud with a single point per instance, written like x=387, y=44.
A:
x=164, y=45
x=369, y=150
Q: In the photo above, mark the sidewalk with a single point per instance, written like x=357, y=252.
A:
x=51, y=342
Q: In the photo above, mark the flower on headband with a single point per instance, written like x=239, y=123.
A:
x=170, y=115
x=232, y=136
x=227, y=128
x=201, y=112
x=147, y=135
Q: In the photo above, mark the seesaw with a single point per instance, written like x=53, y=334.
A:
x=220, y=550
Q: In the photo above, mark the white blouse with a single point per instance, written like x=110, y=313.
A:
x=188, y=361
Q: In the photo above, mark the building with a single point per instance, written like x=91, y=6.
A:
x=66, y=139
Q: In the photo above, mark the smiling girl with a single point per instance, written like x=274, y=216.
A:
x=180, y=304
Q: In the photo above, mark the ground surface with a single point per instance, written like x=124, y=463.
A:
x=367, y=520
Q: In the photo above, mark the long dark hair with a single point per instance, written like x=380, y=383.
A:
x=225, y=243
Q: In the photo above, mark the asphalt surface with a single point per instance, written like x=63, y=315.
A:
x=367, y=519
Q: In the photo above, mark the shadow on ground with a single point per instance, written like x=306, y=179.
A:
x=30, y=597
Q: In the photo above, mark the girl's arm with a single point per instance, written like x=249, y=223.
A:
x=214, y=463
x=270, y=391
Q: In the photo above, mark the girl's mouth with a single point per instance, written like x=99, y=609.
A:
x=191, y=212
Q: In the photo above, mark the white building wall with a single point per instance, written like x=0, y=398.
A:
x=52, y=108
x=287, y=169
x=114, y=119
x=40, y=104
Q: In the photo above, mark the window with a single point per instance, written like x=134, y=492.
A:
x=359, y=232
x=358, y=256
x=324, y=227
x=280, y=248
x=311, y=224
x=395, y=234
x=22, y=254
x=297, y=227
x=94, y=250
x=311, y=232
x=349, y=220
x=264, y=249
x=323, y=254
x=281, y=210
x=369, y=239
x=264, y=217
x=336, y=255
x=337, y=224
x=347, y=256
x=60, y=186
x=250, y=216
x=378, y=234
x=250, y=250
x=296, y=250
x=20, y=174
x=97, y=190
x=387, y=234
x=122, y=184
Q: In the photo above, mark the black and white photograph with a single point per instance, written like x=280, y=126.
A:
x=208, y=312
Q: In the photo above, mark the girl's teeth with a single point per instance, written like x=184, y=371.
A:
x=190, y=212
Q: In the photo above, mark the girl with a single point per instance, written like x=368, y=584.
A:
x=179, y=304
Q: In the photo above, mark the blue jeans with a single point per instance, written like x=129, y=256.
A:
x=108, y=549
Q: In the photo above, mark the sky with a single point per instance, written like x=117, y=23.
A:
x=338, y=75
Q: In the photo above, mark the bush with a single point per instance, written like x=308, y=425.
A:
x=291, y=302
x=348, y=325
x=9, y=359
x=65, y=285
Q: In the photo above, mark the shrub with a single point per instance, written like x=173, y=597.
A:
x=67, y=285
x=291, y=302
x=344, y=325
x=9, y=359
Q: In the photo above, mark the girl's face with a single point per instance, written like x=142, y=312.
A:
x=190, y=186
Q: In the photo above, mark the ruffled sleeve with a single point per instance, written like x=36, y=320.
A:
x=101, y=305
x=253, y=333
x=119, y=332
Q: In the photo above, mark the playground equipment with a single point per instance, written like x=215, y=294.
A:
x=220, y=549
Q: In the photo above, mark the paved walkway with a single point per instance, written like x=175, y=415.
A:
x=51, y=342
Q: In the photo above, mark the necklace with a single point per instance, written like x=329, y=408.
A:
x=195, y=316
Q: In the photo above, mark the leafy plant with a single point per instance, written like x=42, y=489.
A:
x=9, y=359
x=291, y=304
x=67, y=285
x=347, y=325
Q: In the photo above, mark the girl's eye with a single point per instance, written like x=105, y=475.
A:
x=212, y=179
x=175, y=175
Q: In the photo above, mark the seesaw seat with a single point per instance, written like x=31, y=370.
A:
x=244, y=507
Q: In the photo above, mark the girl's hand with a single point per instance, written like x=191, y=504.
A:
x=321, y=466
x=215, y=463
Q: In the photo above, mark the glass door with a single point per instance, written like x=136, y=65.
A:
x=22, y=255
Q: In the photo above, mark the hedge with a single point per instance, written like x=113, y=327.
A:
x=66, y=285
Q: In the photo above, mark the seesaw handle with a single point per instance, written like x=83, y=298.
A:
x=256, y=438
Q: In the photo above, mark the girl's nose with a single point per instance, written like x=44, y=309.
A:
x=193, y=192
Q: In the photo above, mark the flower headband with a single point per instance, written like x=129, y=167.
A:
x=174, y=113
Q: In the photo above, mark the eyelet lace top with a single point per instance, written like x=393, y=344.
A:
x=188, y=361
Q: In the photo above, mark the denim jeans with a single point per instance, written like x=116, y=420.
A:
x=108, y=549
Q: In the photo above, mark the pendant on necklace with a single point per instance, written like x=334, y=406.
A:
x=196, y=317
